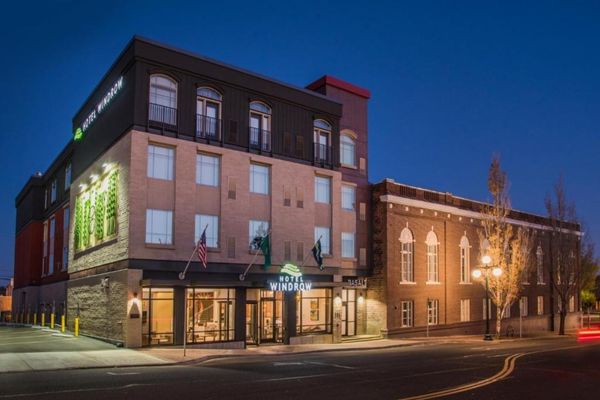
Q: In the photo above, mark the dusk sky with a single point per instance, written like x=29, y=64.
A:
x=451, y=83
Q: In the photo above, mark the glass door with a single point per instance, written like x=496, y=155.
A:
x=348, y=312
x=271, y=307
x=252, y=323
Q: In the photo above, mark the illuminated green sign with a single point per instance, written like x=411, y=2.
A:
x=290, y=280
x=100, y=107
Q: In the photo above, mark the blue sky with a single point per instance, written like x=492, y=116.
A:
x=451, y=83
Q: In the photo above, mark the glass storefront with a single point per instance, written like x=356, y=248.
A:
x=348, y=312
x=157, y=316
x=271, y=310
x=314, y=311
x=210, y=315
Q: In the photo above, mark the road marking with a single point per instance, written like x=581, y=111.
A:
x=280, y=364
x=289, y=378
x=499, y=355
x=330, y=365
x=122, y=373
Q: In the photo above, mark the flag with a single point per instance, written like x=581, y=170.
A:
x=265, y=247
x=316, y=250
x=201, y=249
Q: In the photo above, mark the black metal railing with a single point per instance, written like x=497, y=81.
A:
x=260, y=139
x=323, y=154
x=208, y=127
x=162, y=116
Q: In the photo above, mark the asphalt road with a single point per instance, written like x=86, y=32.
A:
x=556, y=368
x=33, y=340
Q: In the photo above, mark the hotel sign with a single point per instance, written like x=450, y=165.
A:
x=100, y=107
x=290, y=280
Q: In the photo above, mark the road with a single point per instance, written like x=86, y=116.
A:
x=553, y=368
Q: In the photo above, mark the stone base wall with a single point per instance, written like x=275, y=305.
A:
x=219, y=345
x=312, y=339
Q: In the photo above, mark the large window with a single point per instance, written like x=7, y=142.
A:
x=210, y=315
x=323, y=233
x=211, y=223
x=465, y=260
x=160, y=162
x=207, y=170
x=432, y=257
x=540, y=305
x=260, y=126
x=256, y=231
x=45, y=251
x=53, y=191
x=259, y=179
x=163, y=100
x=433, y=307
x=407, y=313
x=406, y=256
x=68, y=176
x=465, y=310
x=347, y=150
x=208, y=113
x=65, y=248
x=314, y=311
x=157, y=316
x=524, y=306
x=348, y=250
x=322, y=141
x=159, y=226
x=51, y=250
x=539, y=259
x=322, y=189
x=348, y=197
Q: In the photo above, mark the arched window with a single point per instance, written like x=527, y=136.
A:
x=432, y=257
x=406, y=258
x=163, y=100
x=539, y=258
x=465, y=260
x=260, y=126
x=322, y=140
x=208, y=113
x=347, y=149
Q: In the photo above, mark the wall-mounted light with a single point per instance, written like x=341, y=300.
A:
x=107, y=166
x=361, y=298
x=337, y=301
x=94, y=178
x=83, y=186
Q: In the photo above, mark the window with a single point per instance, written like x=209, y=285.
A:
x=406, y=256
x=523, y=306
x=347, y=150
x=260, y=126
x=407, y=314
x=539, y=259
x=348, y=197
x=322, y=189
x=323, y=233
x=65, y=249
x=207, y=170
x=256, y=231
x=485, y=309
x=51, y=250
x=68, y=176
x=159, y=226
x=45, y=248
x=53, y=192
x=210, y=315
x=540, y=305
x=208, y=113
x=432, y=257
x=259, y=179
x=160, y=162
x=348, y=245
x=322, y=141
x=572, y=304
x=45, y=198
x=157, y=316
x=211, y=223
x=465, y=310
x=507, y=312
x=465, y=260
x=163, y=100
x=433, y=311
x=313, y=311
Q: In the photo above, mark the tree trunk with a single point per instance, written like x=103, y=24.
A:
x=561, y=327
x=498, y=321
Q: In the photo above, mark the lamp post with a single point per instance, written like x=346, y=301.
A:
x=485, y=270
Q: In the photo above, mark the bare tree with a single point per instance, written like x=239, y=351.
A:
x=565, y=268
x=508, y=246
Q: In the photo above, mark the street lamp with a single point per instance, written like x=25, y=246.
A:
x=485, y=270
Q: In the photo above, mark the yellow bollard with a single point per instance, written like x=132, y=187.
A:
x=52, y=318
x=44, y=319
x=76, y=326
x=62, y=323
x=35, y=319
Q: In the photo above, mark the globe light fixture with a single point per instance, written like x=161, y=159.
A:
x=497, y=271
x=485, y=271
x=476, y=273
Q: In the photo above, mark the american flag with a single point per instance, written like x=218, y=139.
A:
x=201, y=249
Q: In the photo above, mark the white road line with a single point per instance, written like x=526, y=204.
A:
x=122, y=373
x=330, y=365
x=290, y=378
x=280, y=364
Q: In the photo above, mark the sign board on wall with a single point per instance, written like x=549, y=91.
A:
x=100, y=107
x=290, y=280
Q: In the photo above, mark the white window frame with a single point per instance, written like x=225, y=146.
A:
x=347, y=150
x=68, y=176
x=407, y=270
x=523, y=306
x=465, y=310
x=208, y=168
x=433, y=308
x=540, y=305
x=259, y=178
x=211, y=222
x=348, y=245
x=52, y=238
x=432, y=258
x=348, y=197
x=158, y=155
x=155, y=234
x=325, y=232
x=256, y=228
x=465, y=260
x=322, y=189
x=406, y=307
x=572, y=304
x=53, y=189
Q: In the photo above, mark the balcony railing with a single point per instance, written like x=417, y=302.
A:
x=260, y=139
x=323, y=154
x=208, y=127
x=162, y=116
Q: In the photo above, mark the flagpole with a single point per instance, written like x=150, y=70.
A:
x=243, y=275
x=306, y=256
x=182, y=274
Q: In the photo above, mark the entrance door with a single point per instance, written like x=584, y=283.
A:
x=252, y=323
x=271, y=307
x=348, y=312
